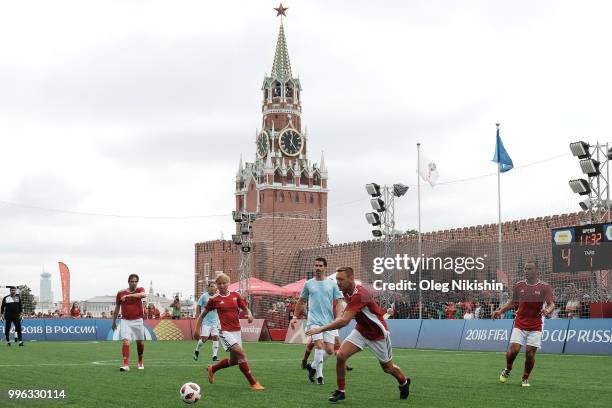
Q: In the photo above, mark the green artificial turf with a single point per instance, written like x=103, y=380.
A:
x=89, y=374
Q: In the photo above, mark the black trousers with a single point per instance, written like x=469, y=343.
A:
x=7, y=327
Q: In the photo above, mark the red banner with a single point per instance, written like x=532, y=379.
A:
x=65, y=275
x=256, y=331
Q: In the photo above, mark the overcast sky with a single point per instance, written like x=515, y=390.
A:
x=142, y=108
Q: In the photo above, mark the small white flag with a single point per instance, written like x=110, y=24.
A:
x=428, y=170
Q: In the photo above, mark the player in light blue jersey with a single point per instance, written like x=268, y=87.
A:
x=320, y=294
x=210, y=324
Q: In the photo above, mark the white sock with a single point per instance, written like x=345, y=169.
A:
x=320, y=358
x=199, y=345
x=326, y=356
x=215, y=347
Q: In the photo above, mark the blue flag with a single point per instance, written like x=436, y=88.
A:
x=501, y=156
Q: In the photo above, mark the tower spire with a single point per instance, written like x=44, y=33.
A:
x=322, y=167
x=281, y=67
x=239, y=172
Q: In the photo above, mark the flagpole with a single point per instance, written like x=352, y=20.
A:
x=419, y=244
x=499, y=226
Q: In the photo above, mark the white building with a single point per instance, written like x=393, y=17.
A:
x=98, y=305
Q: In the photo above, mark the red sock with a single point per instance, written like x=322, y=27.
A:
x=341, y=384
x=309, y=348
x=401, y=380
x=221, y=365
x=125, y=349
x=140, y=348
x=244, y=367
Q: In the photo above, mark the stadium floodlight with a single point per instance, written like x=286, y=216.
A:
x=399, y=189
x=373, y=189
x=373, y=218
x=237, y=216
x=586, y=204
x=609, y=155
x=580, y=149
x=236, y=239
x=246, y=247
x=245, y=229
x=377, y=233
x=590, y=167
x=580, y=186
x=377, y=204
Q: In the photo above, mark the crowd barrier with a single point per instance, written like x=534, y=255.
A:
x=574, y=336
x=569, y=336
x=101, y=329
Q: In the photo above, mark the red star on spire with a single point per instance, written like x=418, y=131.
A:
x=280, y=10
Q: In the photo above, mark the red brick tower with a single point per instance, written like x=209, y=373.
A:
x=286, y=190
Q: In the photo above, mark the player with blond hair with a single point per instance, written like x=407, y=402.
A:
x=228, y=305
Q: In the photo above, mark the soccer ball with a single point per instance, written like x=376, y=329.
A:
x=190, y=393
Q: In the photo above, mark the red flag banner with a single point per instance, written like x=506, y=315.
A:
x=65, y=275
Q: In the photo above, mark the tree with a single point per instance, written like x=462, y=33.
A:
x=27, y=299
x=411, y=232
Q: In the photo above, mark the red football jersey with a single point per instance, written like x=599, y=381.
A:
x=369, y=317
x=530, y=299
x=132, y=308
x=227, y=308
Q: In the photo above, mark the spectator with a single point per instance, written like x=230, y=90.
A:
x=152, y=312
x=458, y=311
x=291, y=308
x=572, y=307
x=75, y=311
x=274, y=308
x=166, y=314
x=477, y=311
x=585, y=305
x=440, y=312
x=176, y=308
x=450, y=310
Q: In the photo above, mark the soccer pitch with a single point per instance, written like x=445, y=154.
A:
x=89, y=372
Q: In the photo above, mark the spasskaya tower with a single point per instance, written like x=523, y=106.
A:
x=282, y=186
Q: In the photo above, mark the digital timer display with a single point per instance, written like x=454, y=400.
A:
x=582, y=248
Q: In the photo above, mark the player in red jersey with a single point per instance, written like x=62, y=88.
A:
x=371, y=330
x=228, y=304
x=530, y=295
x=132, y=324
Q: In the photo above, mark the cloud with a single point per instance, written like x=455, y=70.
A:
x=144, y=108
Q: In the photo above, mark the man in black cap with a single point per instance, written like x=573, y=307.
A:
x=11, y=313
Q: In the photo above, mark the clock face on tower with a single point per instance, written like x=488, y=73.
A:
x=263, y=144
x=291, y=142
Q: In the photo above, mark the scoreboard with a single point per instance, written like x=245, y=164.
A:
x=582, y=248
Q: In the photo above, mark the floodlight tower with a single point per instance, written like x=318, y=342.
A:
x=383, y=202
x=595, y=164
x=244, y=239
